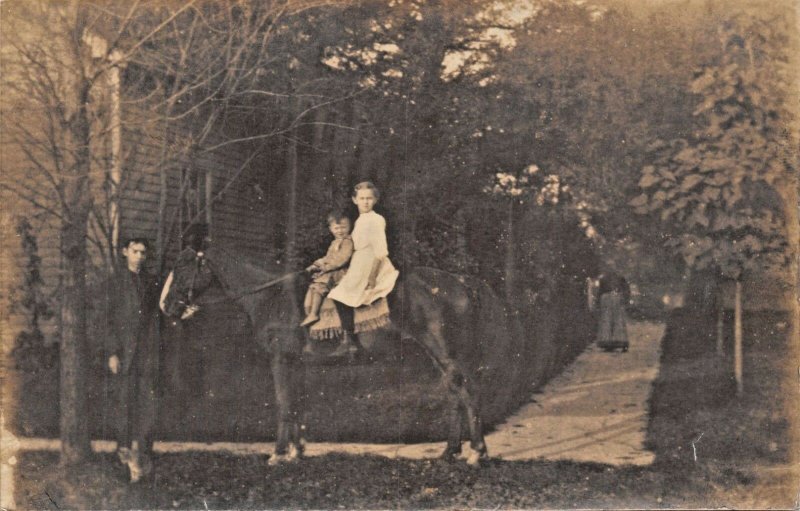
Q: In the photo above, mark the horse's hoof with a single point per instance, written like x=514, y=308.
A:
x=295, y=453
x=476, y=457
x=276, y=460
x=450, y=455
x=292, y=456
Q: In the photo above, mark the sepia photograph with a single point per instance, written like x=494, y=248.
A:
x=399, y=254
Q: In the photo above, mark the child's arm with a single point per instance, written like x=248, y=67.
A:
x=336, y=259
x=380, y=249
x=373, y=274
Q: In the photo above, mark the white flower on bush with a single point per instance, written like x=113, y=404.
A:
x=551, y=189
x=506, y=179
x=544, y=190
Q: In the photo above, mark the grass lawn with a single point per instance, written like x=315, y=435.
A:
x=712, y=449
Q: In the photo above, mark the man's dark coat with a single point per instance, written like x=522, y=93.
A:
x=133, y=338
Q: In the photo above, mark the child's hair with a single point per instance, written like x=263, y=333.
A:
x=142, y=241
x=334, y=217
x=367, y=185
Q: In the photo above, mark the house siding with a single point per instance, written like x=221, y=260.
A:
x=238, y=217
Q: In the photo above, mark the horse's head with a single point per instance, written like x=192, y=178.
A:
x=191, y=276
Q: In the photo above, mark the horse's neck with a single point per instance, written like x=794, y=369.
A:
x=237, y=275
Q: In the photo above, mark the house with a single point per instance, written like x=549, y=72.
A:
x=141, y=179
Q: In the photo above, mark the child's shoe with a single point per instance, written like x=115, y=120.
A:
x=346, y=347
x=310, y=319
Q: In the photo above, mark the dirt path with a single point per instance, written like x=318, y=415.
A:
x=595, y=411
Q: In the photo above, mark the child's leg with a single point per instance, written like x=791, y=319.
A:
x=317, y=292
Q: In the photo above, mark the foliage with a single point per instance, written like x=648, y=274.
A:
x=716, y=188
x=30, y=352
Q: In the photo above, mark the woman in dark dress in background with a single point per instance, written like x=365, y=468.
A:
x=614, y=293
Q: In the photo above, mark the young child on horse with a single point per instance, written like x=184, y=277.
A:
x=371, y=275
x=329, y=270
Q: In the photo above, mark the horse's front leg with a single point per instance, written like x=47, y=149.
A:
x=299, y=417
x=283, y=366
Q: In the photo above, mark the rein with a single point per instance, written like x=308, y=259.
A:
x=252, y=290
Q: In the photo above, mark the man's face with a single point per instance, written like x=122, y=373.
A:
x=136, y=254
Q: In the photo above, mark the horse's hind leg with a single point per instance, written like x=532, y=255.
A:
x=467, y=393
x=455, y=434
x=461, y=388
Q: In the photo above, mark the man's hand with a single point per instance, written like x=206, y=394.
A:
x=189, y=312
x=113, y=364
x=312, y=269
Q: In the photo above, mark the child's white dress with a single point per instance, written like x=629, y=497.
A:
x=369, y=241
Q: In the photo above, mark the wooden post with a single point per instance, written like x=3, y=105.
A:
x=720, y=324
x=737, y=339
x=292, y=206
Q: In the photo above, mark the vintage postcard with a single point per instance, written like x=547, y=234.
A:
x=399, y=254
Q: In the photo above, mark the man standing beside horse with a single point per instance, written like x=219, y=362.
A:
x=133, y=356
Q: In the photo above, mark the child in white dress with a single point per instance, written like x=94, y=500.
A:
x=371, y=274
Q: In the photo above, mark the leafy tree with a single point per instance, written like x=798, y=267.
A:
x=720, y=188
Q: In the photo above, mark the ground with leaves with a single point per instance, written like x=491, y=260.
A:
x=712, y=450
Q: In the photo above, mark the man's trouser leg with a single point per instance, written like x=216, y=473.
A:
x=122, y=417
x=145, y=404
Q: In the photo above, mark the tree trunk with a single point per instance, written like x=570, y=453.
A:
x=163, y=197
x=462, y=245
x=737, y=339
x=75, y=445
x=720, y=323
x=292, y=212
x=789, y=193
x=510, y=266
x=74, y=430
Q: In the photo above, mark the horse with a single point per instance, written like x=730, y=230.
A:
x=439, y=310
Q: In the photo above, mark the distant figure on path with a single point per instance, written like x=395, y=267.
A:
x=133, y=353
x=614, y=293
